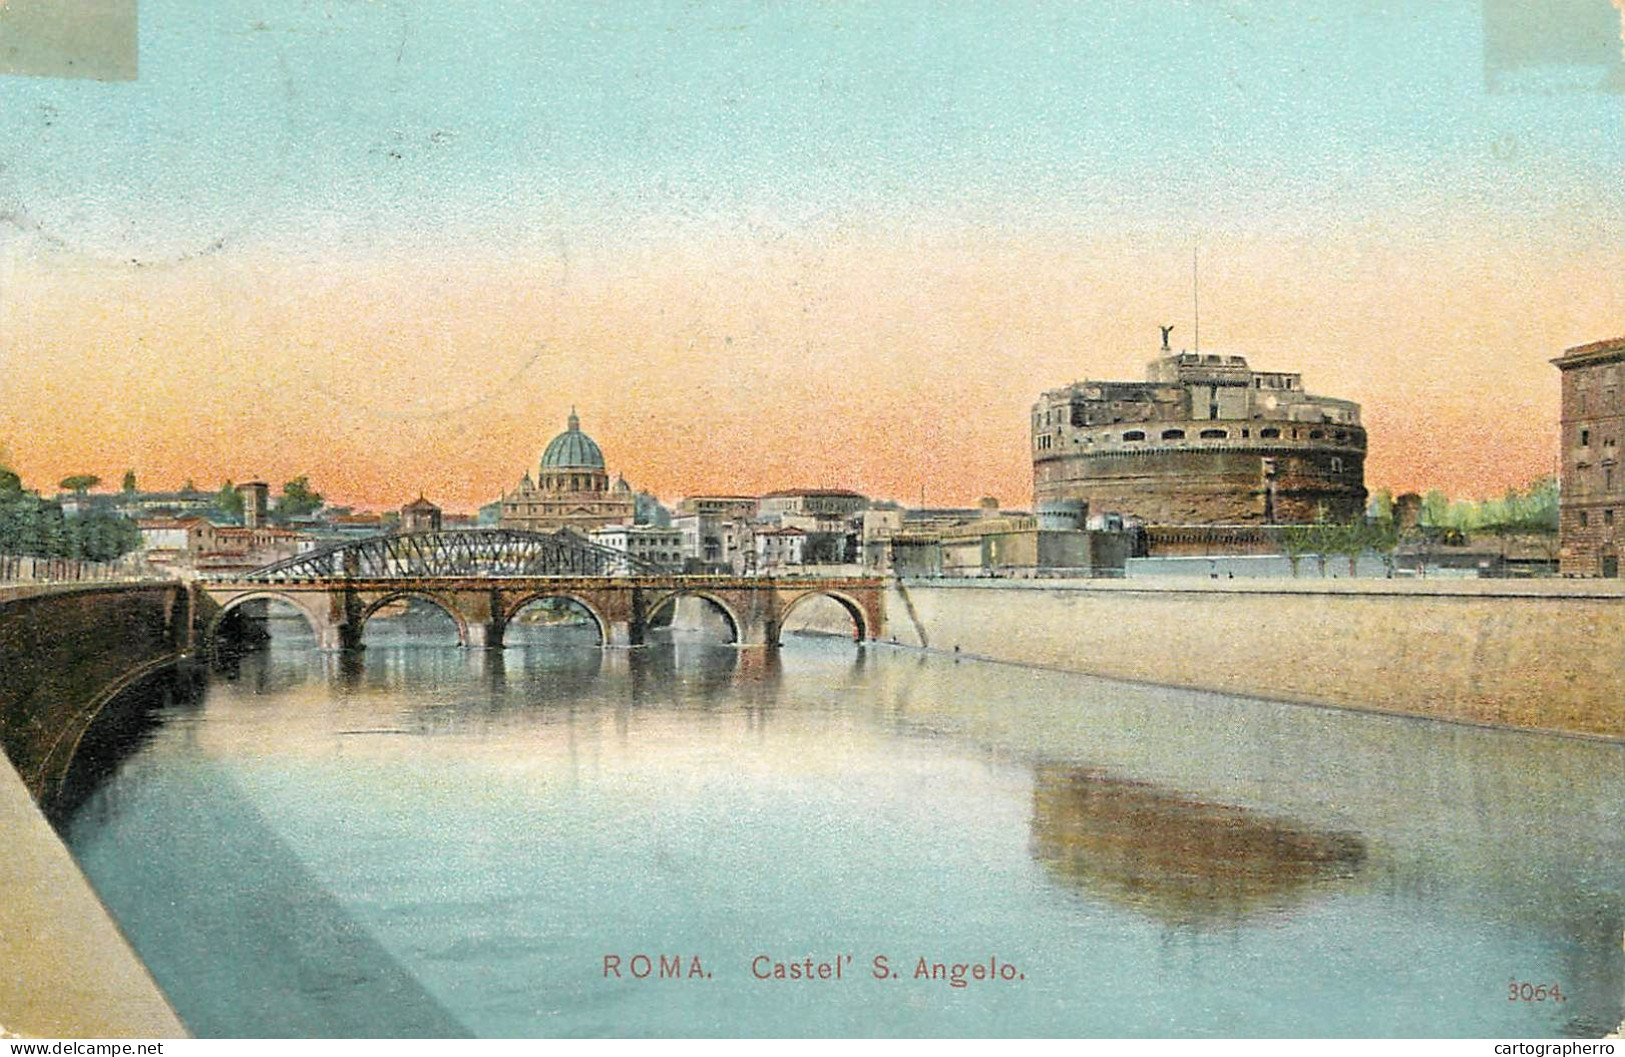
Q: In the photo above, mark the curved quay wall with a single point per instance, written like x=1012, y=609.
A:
x=1537, y=655
x=65, y=968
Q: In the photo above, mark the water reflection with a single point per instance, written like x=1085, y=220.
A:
x=126, y=725
x=410, y=621
x=490, y=818
x=1185, y=862
x=551, y=621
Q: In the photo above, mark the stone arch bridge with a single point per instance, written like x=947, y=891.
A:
x=483, y=578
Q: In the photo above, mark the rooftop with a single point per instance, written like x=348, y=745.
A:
x=841, y=493
x=1607, y=349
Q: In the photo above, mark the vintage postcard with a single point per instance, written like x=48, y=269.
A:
x=726, y=518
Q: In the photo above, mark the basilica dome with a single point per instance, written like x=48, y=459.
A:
x=572, y=450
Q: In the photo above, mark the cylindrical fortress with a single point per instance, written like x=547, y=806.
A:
x=1204, y=441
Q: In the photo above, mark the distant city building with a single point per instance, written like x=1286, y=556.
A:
x=420, y=515
x=138, y=505
x=174, y=542
x=816, y=502
x=647, y=509
x=648, y=543
x=237, y=550
x=256, y=503
x=716, y=543
x=728, y=508
x=778, y=549
x=1591, y=486
x=734, y=507
x=353, y=526
x=984, y=541
x=1204, y=440
x=831, y=518
x=1020, y=547
x=572, y=489
x=193, y=545
x=151, y=504
x=908, y=542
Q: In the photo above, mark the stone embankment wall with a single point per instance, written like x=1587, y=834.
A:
x=65, y=969
x=65, y=650
x=1547, y=655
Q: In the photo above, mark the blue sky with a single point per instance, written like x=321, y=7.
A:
x=511, y=121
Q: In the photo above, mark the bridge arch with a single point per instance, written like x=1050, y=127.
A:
x=735, y=626
x=445, y=605
x=854, y=609
x=591, y=610
x=317, y=621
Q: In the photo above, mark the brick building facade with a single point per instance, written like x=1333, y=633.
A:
x=1591, y=480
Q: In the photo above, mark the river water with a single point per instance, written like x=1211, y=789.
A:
x=431, y=841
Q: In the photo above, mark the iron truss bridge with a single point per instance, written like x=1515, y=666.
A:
x=470, y=552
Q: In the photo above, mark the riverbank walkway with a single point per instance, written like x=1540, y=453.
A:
x=66, y=971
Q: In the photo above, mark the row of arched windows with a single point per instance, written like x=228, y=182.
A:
x=1268, y=433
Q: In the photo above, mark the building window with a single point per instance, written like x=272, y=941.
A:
x=1215, y=434
x=1134, y=434
x=1583, y=519
x=1337, y=464
x=1608, y=516
x=1269, y=434
x=1316, y=434
x=1585, y=438
x=1173, y=434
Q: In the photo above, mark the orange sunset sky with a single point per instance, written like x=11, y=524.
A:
x=756, y=248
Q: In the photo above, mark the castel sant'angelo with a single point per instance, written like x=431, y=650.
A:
x=1204, y=440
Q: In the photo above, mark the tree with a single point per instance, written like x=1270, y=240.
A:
x=129, y=487
x=80, y=483
x=228, y=500
x=1325, y=539
x=101, y=537
x=1382, y=536
x=1437, y=511
x=1296, y=541
x=1349, y=541
x=297, y=499
x=1381, y=506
